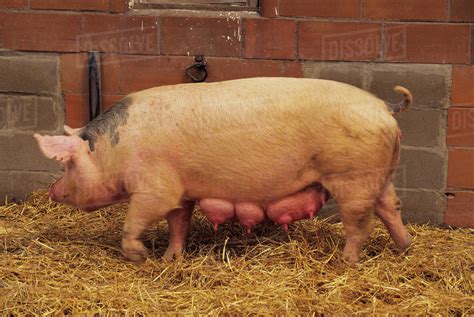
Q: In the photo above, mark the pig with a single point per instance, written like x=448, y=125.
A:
x=301, y=205
x=254, y=145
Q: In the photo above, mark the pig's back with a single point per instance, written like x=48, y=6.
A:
x=234, y=139
x=210, y=108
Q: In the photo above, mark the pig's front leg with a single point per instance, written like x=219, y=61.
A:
x=178, y=222
x=138, y=218
x=147, y=208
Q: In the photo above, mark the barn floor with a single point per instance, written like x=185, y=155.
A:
x=57, y=260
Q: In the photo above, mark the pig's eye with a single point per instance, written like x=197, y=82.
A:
x=62, y=168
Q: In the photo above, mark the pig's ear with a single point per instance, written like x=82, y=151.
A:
x=70, y=131
x=59, y=147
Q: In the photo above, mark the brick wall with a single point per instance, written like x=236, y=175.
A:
x=425, y=45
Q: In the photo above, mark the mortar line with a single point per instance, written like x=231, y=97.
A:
x=460, y=147
x=417, y=189
x=470, y=47
x=459, y=189
x=241, y=36
x=28, y=94
x=160, y=35
x=448, y=9
x=151, y=57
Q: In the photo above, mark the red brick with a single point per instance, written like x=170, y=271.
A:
x=460, y=212
x=119, y=5
x=293, y=69
x=77, y=110
x=269, y=8
x=406, y=9
x=109, y=100
x=230, y=68
x=200, y=36
x=110, y=67
x=70, y=4
x=462, y=91
x=340, y=41
x=74, y=73
x=112, y=33
x=461, y=168
x=427, y=43
x=461, y=127
x=462, y=10
x=2, y=28
x=122, y=74
x=13, y=4
x=41, y=32
x=472, y=45
x=270, y=38
x=320, y=8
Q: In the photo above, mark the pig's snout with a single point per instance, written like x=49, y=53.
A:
x=51, y=191
x=51, y=195
x=56, y=192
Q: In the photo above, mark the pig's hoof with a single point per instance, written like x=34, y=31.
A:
x=134, y=250
x=405, y=244
x=350, y=258
x=172, y=254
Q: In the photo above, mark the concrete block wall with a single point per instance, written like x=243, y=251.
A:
x=30, y=102
x=425, y=45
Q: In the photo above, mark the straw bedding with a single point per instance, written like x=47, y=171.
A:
x=58, y=260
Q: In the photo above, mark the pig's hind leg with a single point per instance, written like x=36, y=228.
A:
x=178, y=223
x=356, y=200
x=387, y=208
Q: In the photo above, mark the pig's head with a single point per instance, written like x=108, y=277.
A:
x=81, y=184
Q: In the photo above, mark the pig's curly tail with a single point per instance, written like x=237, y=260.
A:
x=405, y=104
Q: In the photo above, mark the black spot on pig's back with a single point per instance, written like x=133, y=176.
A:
x=107, y=123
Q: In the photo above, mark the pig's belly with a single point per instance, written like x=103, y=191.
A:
x=258, y=187
x=242, y=165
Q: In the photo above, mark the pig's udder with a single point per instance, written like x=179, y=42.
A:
x=301, y=205
x=218, y=211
